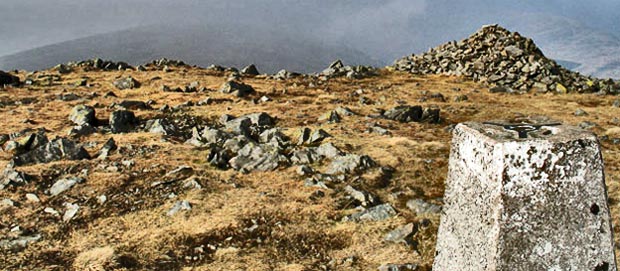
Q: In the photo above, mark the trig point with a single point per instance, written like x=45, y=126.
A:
x=525, y=197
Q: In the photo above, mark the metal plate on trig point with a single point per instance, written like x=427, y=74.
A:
x=522, y=128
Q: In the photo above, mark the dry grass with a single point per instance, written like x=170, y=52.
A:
x=295, y=230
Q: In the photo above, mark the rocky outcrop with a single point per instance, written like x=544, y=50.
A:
x=498, y=57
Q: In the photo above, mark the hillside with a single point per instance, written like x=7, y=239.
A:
x=193, y=168
x=270, y=49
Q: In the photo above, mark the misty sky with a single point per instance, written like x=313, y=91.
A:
x=383, y=28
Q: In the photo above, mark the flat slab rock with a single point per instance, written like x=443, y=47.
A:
x=521, y=204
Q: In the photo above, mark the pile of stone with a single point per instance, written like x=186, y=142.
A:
x=95, y=64
x=506, y=60
x=37, y=148
x=338, y=69
x=407, y=113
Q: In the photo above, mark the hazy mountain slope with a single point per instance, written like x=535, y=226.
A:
x=270, y=49
x=587, y=50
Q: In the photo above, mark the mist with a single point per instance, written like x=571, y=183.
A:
x=383, y=30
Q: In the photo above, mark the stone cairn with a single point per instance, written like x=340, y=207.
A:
x=505, y=60
x=525, y=197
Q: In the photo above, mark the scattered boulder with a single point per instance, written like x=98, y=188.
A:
x=351, y=164
x=364, y=198
x=8, y=79
x=122, y=121
x=376, y=213
x=160, y=126
x=250, y=70
x=338, y=69
x=237, y=88
x=82, y=130
x=126, y=83
x=134, y=105
x=406, y=113
x=12, y=177
x=318, y=136
x=57, y=149
x=83, y=114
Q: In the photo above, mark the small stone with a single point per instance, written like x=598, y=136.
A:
x=6, y=203
x=461, y=98
x=108, y=146
x=304, y=170
x=126, y=83
x=51, y=211
x=376, y=213
x=70, y=211
x=328, y=150
x=32, y=197
x=102, y=199
x=318, y=136
x=63, y=185
x=237, y=88
x=398, y=267
x=421, y=207
x=179, y=206
x=181, y=172
x=351, y=163
x=616, y=103
x=402, y=234
x=580, y=112
x=404, y=113
x=363, y=197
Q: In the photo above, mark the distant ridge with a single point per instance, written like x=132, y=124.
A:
x=504, y=59
x=198, y=45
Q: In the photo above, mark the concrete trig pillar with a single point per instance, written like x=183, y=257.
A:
x=525, y=198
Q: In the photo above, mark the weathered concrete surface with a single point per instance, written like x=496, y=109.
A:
x=524, y=204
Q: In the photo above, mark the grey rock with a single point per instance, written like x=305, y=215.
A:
x=126, y=83
x=181, y=172
x=580, y=112
x=303, y=135
x=330, y=117
x=134, y=105
x=365, y=198
x=344, y=111
x=57, y=149
x=237, y=88
x=182, y=205
x=71, y=210
x=122, y=121
x=83, y=114
x=219, y=157
x=421, y=207
x=63, y=185
x=351, y=164
x=461, y=98
x=318, y=136
x=7, y=203
x=81, y=130
x=616, y=103
x=398, y=267
x=304, y=156
x=32, y=197
x=18, y=243
x=404, y=113
x=107, y=148
x=8, y=79
x=402, y=234
x=304, y=170
x=431, y=115
x=328, y=150
x=587, y=125
x=257, y=158
x=12, y=177
x=250, y=70
x=376, y=213
x=160, y=126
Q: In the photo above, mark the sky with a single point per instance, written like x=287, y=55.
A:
x=383, y=28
